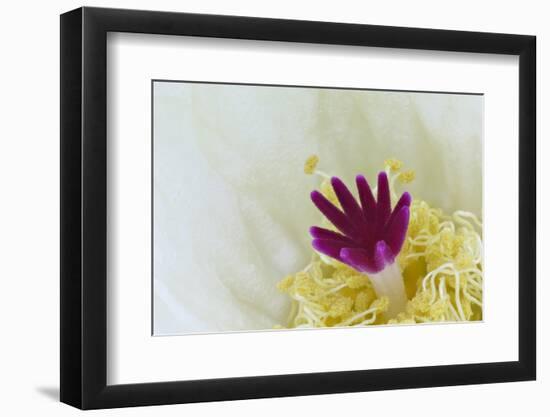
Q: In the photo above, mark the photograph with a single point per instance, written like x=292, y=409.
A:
x=251, y=209
x=282, y=207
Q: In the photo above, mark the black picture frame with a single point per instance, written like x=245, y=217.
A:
x=84, y=207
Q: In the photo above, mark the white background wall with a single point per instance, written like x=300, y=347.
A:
x=29, y=226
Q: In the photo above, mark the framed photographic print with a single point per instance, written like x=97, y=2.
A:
x=257, y=207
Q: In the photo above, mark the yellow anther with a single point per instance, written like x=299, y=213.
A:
x=463, y=260
x=303, y=284
x=357, y=281
x=311, y=164
x=340, y=306
x=328, y=192
x=393, y=164
x=363, y=301
x=285, y=284
x=438, y=309
x=381, y=304
x=433, y=224
x=407, y=177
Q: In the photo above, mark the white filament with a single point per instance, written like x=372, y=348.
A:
x=389, y=283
